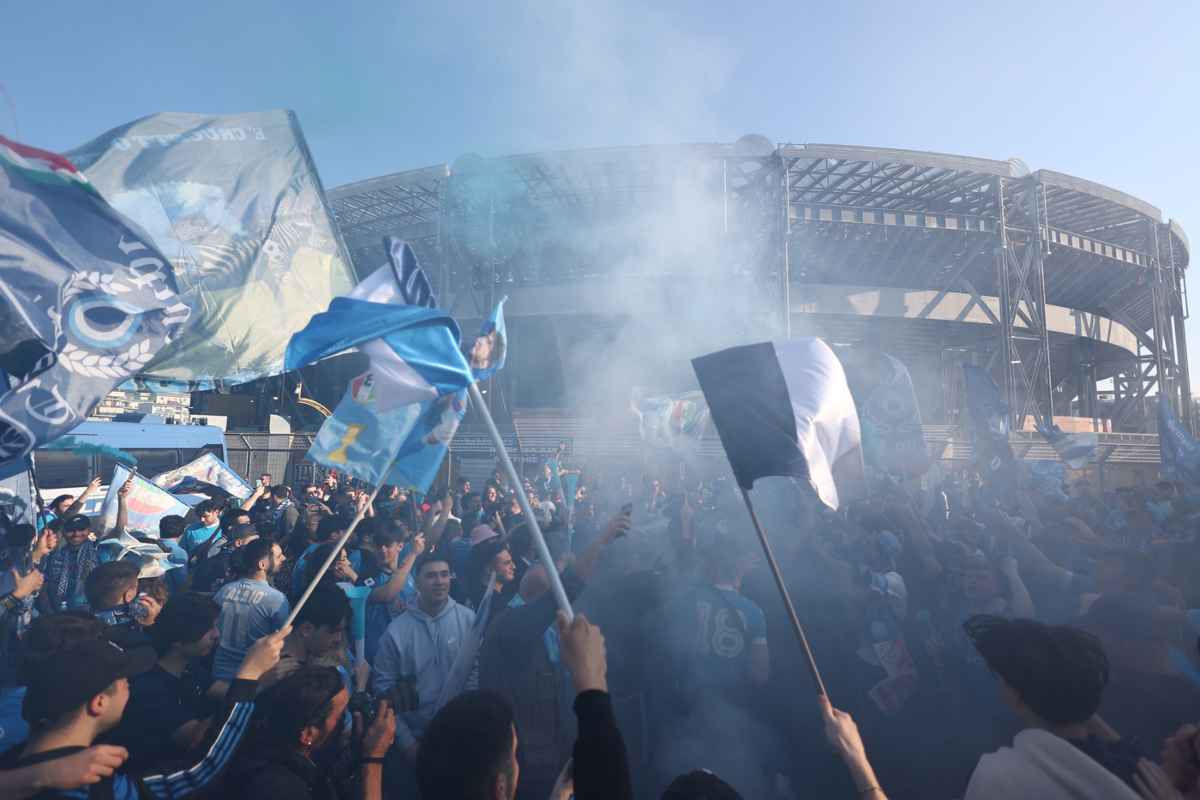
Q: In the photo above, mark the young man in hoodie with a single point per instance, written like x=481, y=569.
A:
x=1053, y=678
x=422, y=645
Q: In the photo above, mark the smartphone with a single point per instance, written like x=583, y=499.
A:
x=627, y=509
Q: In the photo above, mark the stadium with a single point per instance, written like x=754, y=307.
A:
x=1071, y=292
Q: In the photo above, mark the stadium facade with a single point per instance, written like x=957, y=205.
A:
x=1071, y=292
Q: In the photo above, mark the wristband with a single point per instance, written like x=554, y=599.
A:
x=372, y=760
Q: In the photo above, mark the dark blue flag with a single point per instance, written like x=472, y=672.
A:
x=1179, y=450
x=86, y=300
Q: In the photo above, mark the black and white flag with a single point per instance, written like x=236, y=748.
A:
x=782, y=408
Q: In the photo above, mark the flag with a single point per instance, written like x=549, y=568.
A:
x=490, y=350
x=146, y=503
x=782, y=408
x=358, y=595
x=1179, y=450
x=1077, y=450
x=402, y=282
x=993, y=454
x=672, y=422
x=1048, y=478
x=236, y=204
x=888, y=413
x=86, y=300
x=207, y=470
x=416, y=364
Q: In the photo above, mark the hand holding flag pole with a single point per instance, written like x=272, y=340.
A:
x=539, y=541
x=797, y=628
x=782, y=409
x=333, y=554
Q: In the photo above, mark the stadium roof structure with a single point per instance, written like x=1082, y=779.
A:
x=1015, y=240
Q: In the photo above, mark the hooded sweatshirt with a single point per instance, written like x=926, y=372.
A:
x=1045, y=766
x=422, y=647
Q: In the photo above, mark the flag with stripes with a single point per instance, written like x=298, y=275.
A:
x=782, y=408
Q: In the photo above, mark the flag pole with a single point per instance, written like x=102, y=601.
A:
x=787, y=599
x=539, y=541
x=358, y=517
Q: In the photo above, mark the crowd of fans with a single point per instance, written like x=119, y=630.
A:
x=1040, y=648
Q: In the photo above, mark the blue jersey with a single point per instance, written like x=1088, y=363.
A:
x=197, y=535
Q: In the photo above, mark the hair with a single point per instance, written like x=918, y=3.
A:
x=699, y=785
x=244, y=561
x=327, y=607
x=47, y=636
x=314, y=561
x=301, y=699
x=185, y=618
x=20, y=537
x=1058, y=672
x=205, y=507
x=328, y=526
x=171, y=526
x=467, y=746
x=279, y=492
x=107, y=582
x=388, y=535
x=59, y=500
x=427, y=558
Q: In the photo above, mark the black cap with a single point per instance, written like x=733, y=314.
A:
x=77, y=673
x=77, y=522
x=243, y=531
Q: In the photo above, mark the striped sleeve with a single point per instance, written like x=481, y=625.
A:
x=202, y=774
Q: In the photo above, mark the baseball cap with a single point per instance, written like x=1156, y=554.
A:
x=77, y=522
x=76, y=674
x=481, y=533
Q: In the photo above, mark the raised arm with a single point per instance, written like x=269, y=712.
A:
x=89, y=490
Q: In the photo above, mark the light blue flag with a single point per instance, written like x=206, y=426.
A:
x=146, y=504
x=415, y=364
x=207, y=470
x=491, y=345
x=237, y=206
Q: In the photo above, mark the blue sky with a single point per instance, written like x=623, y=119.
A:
x=1102, y=90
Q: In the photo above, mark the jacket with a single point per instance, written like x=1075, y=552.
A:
x=516, y=663
x=1045, y=766
x=422, y=648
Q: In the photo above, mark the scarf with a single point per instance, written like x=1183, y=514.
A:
x=68, y=568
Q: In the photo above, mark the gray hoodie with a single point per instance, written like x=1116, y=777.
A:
x=419, y=646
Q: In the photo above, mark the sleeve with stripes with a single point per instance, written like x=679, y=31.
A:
x=202, y=775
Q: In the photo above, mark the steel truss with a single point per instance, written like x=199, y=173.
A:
x=1025, y=338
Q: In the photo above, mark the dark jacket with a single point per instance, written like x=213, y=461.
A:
x=259, y=774
x=513, y=662
x=601, y=763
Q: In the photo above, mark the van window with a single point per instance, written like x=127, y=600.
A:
x=60, y=469
x=152, y=462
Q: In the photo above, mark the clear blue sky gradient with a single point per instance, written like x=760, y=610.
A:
x=1104, y=90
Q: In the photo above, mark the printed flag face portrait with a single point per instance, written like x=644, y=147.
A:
x=236, y=205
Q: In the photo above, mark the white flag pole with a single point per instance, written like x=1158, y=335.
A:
x=539, y=541
x=334, y=553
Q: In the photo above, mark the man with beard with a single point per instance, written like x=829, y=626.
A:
x=250, y=606
x=67, y=569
